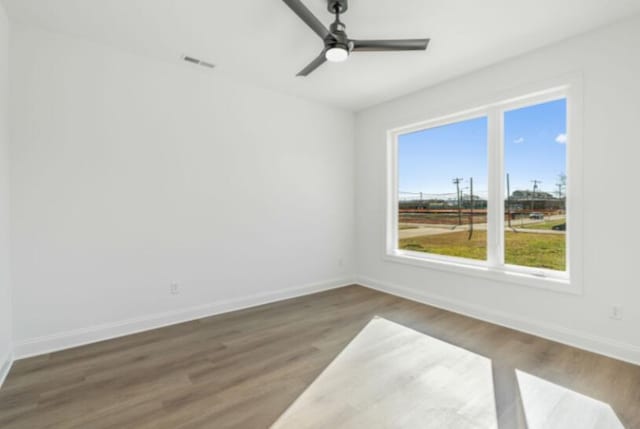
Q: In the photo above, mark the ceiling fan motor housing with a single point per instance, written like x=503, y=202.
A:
x=340, y=5
x=338, y=36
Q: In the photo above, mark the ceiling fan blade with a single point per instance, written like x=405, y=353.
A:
x=320, y=59
x=309, y=18
x=390, y=45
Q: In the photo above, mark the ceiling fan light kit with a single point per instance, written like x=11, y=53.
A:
x=337, y=54
x=337, y=45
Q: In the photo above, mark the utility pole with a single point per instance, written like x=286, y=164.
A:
x=508, y=201
x=471, y=208
x=535, y=188
x=457, y=182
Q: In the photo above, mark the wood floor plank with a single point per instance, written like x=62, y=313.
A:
x=391, y=376
x=243, y=369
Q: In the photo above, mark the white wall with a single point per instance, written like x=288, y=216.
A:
x=5, y=293
x=129, y=174
x=610, y=65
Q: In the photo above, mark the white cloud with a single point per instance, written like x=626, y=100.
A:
x=562, y=138
x=519, y=140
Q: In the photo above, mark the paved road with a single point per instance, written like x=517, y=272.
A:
x=437, y=229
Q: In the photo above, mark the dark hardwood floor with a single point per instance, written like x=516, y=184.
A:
x=243, y=369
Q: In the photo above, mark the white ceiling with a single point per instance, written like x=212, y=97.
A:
x=263, y=42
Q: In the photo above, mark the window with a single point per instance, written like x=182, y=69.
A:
x=442, y=196
x=535, y=139
x=488, y=190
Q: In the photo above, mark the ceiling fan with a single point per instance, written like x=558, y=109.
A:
x=337, y=45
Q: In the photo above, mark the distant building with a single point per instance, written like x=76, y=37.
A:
x=528, y=195
x=527, y=200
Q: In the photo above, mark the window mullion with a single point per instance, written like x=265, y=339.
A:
x=495, y=218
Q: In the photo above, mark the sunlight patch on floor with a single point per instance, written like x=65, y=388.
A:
x=549, y=406
x=391, y=376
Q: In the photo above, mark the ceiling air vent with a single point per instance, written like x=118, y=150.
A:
x=197, y=61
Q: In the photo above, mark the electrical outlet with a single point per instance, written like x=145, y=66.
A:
x=615, y=312
x=174, y=289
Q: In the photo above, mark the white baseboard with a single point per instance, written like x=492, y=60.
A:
x=78, y=337
x=5, y=367
x=604, y=346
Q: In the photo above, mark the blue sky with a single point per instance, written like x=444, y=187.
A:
x=535, y=149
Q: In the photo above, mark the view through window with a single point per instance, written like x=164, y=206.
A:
x=535, y=140
x=442, y=176
x=443, y=188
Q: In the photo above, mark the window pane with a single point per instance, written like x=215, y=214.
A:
x=535, y=204
x=442, y=176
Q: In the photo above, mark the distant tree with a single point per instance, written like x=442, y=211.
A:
x=561, y=185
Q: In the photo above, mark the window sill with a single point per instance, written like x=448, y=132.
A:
x=452, y=265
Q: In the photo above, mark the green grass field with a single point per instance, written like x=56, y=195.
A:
x=526, y=249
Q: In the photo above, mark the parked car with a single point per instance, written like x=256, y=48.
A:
x=561, y=227
x=536, y=215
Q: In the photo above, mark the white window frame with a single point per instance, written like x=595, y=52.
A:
x=493, y=268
